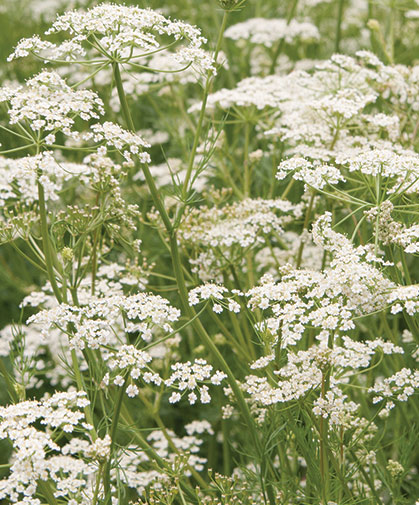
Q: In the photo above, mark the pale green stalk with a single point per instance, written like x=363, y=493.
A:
x=305, y=227
x=198, y=130
x=47, y=245
x=51, y=276
x=339, y=26
x=149, y=450
x=155, y=415
x=281, y=44
x=178, y=271
x=9, y=382
x=114, y=427
x=323, y=433
x=246, y=181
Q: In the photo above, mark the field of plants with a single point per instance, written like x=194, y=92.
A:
x=209, y=252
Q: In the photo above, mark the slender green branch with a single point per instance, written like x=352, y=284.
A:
x=339, y=26
x=114, y=427
x=9, y=382
x=46, y=244
x=183, y=292
x=305, y=227
x=208, y=83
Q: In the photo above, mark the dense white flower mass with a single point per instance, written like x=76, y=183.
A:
x=305, y=372
x=128, y=33
x=329, y=301
x=233, y=229
x=48, y=104
x=93, y=323
x=399, y=386
x=377, y=159
x=265, y=183
x=126, y=142
x=34, y=428
x=314, y=174
x=268, y=31
x=189, y=376
x=20, y=176
x=259, y=92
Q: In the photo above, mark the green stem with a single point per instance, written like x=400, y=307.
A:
x=81, y=387
x=305, y=227
x=9, y=382
x=281, y=44
x=183, y=292
x=324, y=465
x=339, y=26
x=97, y=486
x=246, y=165
x=208, y=83
x=114, y=426
x=150, y=451
x=46, y=243
x=152, y=411
x=147, y=174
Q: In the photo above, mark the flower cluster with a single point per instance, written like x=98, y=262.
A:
x=257, y=92
x=188, y=376
x=315, y=174
x=48, y=104
x=136, y=362
x=276, y=203
x=268, y=31
x=32, y=426
x=126, y=32
x=126, y=142
x=93, y=324
x=399, y=386
x=224, y=234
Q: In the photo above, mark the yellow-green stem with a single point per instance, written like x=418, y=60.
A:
x=114, y=426
x=339, y=26
x=305, y=227
x=208, y=83
x=46, y=243
x=183, y=292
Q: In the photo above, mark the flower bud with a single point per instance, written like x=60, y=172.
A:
x=373, y=25
x=67, y=253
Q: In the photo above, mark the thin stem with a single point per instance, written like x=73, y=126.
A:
x=9, y=382
x=281, y=44
x=180, y=279
x=149, y=450
x=324, y=466
x=114, y=426
x=339, y=26
x=46, y=244
x=147, y=174
x=81, y=387
x=246, y=165
x=208, y=83
x=155, y=415
x=305, y=227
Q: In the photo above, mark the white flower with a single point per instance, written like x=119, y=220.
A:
x=127, y=32
x=189, y=376
x=132, y=390
x=268, y=31
x=119, y=380
x=175, y=397
x=47, y=103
